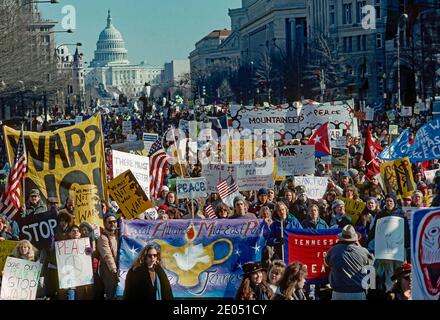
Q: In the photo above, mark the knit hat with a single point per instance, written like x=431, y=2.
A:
x=337, y=202
x=344, y=174
x=263, y=191
x=353, y=172
x=238, y=198
x=165, y=188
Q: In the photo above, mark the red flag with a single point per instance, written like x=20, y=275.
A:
x=321, y=140
x=371, y=151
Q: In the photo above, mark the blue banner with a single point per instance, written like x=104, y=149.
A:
x=202, y=258
x=427, y=143
x=398, y=149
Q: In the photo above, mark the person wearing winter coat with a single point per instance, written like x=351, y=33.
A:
x=339, y=218
x=291, y=285
x=313, y=221
x=146, y=279
x=254, y=285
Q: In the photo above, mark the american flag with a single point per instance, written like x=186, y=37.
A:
x=10, y=199
x=159, y=160
x=210, y=212
x=228, y=192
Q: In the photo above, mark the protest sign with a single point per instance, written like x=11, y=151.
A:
x=295, y=160
x=20, y=279
x=315, y=186
x=391, y=116
x=255, y=175
x=88, y=207
x=397, y=177
x=430, y=175
x=58, y=159
x=275, y=176
x=393, y=129
x=353, y=208
x=74, y=264
x=202, y=258
x=240, y=150
x=139, y=166
x=149, y=139
x=425, y=250
x=126, y=127
x=336, y=133
x=6, y=248
x=289, y=122
x=389, y=239
x=426, y=144
x=129, y=195
x=340, y=143
x=340, y=159
x=216, y=173
x=191, y=188
x=406, y=111
x=39, y=229
x=369, y=114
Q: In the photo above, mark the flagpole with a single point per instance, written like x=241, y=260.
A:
x=24, y=180
x=282, y=239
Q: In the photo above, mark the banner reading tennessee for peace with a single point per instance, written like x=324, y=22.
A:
x=310, y=248
x=58, y=159
x=202, y=258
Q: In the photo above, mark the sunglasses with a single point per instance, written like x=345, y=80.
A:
x=152, y=255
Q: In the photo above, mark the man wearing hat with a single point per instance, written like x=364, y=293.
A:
x=339, y=218
x=241, y=209
x=263, y=200
x=35, y=205
x=348, y=260
x=402, y=287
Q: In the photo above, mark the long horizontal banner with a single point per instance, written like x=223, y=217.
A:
x=201, y=258
x=289, y=122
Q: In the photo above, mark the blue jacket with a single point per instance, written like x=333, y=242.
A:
x=15, y=230
x=307, y=223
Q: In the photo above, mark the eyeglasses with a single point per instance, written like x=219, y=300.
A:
x=152, y=255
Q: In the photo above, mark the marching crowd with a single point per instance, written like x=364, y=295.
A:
x=286, y=206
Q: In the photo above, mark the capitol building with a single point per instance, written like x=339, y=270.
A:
x=111, y=71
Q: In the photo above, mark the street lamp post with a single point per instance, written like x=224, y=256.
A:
x=403, y=17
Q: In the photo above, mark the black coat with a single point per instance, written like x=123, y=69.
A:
x=138, y=285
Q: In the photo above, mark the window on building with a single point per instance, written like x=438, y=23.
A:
x=377, y=9
x=364, y=42
x=379, y=40
x=345, y=45
x=359, y=44
x=359, y=14
x=332, y=14
x=346, y=11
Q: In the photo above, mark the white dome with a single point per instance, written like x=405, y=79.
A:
x=110, y=48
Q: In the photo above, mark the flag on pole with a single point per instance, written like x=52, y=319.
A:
x=159, y=161
x=371, y=152
x=210, y=212
x=321, y=140
x=228, y=192
x=398, y=149
x=10, y=202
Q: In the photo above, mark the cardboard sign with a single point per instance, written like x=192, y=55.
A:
x=139, y=166
x=295, y=160
x=126, y=127
x=339, y=143
x=191, y=188
x=20, y=279
x=340, y=159
x=215, y=173
x=74, y=265
x=315, y=186
x=88, y=206
x=398, y=178
x=6, y=248
x=389, y=239
x=149, y=139
x=353, y=208
x=129, y=195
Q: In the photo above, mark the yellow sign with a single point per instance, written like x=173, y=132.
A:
x=58, y=159
x=276, y=177
x=398, y=178
x=6, y=248
x=88, y=205
x=129, y=195
x=353, y=208
x=240, y=150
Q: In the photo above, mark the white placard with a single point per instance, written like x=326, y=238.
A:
x=126, y=127
x=139, y=165
x=315, y=186
x=389, y=239
x=295, y=160
x=215, y=173
x=336, y=133
x=255, y=175
x=406, y=111
x=74, y=265
x=149, y=139
x=340, y=142
x=191, y=188
x=20, y=279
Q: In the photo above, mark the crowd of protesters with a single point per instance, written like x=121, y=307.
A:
x=286, y=204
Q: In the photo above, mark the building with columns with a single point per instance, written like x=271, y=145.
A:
x=111, y=71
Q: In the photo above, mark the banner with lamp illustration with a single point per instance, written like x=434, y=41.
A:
x=202, y=258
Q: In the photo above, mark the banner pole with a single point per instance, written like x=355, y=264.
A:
x=282, y=239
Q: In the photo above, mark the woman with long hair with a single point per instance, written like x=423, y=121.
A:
x=254, y=285
x=292, y=283
x=146, y=279
x=275, y=274
x=171, y=200
x=26, y=251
